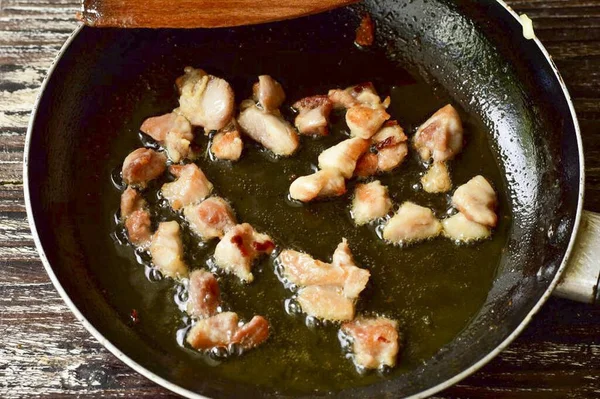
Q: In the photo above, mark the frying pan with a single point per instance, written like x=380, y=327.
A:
x=473, y=49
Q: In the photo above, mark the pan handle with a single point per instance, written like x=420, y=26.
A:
x=580, y=280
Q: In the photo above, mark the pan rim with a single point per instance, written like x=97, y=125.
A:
x=190, y=394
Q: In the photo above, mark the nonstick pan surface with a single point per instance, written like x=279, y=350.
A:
x=471, y=53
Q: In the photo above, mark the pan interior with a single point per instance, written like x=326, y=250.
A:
x=455, y=304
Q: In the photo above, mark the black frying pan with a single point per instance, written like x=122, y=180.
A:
x=473, y=50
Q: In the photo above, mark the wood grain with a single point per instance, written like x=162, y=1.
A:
x=44, y=351
x=197, y=13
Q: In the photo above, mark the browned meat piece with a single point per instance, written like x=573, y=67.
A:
x=253, y=333
x=270, y=130
x=158, y=127
x=365, y=33
x=356, y=278
x=205, y=100
x=131, y=201
x=313, y=116
x=215, y=331
x=365, y=120
x=343, y=156
x=441, y=136
x=321, y=184
x=363, y=93
x=211, y=218
x=268, y=93
x=437, y=179
x=166, y=250
x=374, y=341
x=459, y=228
x=411, y=223
x=326, y=302
x=390, y=143
x=239, y=248
x=138, y=228
x=143, y=165
x=227, y=144
x=204, y=294
x=222, y=330
x=303, y=270
x=190, y=187
x=371, y=201
x=477, y=200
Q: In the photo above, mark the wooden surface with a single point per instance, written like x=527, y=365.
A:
x=44, y=351
x=198, y=13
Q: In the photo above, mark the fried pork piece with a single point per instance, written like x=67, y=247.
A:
x=268, y=93
x=227, y=144
x=302, y=270
x=374, y=341
x=343, y=156
x=166, y=250
x=204, y=294
x=143, y=165
x=211, y=218
x=363, y=93
x=441, y=136
x=222, y=330
x=326, y=302
x=371, y=201
x=321, y=184
x=313, y=115
x=437, y=179
x=190, y=187
x=477, y=200
x=205, y=100
x=270, y=130
x=411, y=223
x=174, y=132
x=239, y=248
x=459, y=228
x=365, y=120
x=390, y=143
x=136, y=217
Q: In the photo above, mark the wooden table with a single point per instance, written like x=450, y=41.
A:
x=44, y=351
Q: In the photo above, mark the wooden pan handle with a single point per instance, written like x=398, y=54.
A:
x=197, y=13
x=580, y=280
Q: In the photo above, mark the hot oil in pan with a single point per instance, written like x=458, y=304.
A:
x=432, y=288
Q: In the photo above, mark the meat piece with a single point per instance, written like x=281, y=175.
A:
x=363, y=93
x=441, y=136
x=364, y=120
x=190, y=187
x=143, y=165
x=204, y=294
x=138, y=228
x=343, y=156
x=302, y=270
x=271, y=131
x=131, y=201
x=227, y=144
x=371, y=201
x=215, y=331
x=477, y=200
x=253, y=333
x=268, y=92
x=356, y=279
x=166, y=250
x=157, y=127
x=437, y=179
x=205, y=100
x=313, y=116
x=459, y=228
x=365, y=32
x=390, y=143
x=222, y=330
x=326, y=302
x=321, y=184
x=411, y=223
x=211, y=218
x=374, y=341
x=239, y=248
